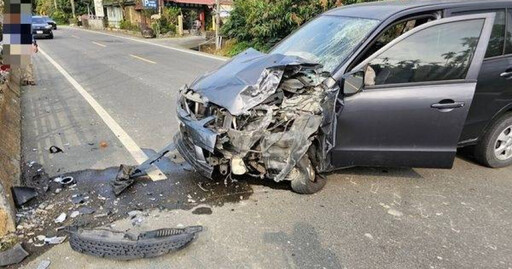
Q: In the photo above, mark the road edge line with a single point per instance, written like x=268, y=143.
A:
x=118, y=131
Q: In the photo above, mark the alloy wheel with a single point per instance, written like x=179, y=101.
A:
x=503, y=145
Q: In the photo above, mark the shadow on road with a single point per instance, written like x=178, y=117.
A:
x=303, y=248
x=379, y=171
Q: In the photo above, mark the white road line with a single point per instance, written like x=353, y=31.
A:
x=156, y=44
x=126, y=140
x=99, y=44
x=74, y=36
x=142, y=59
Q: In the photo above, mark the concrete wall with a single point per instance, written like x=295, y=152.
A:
x=10, y=148
x=96, y=24
x=132, y=15
x=115, y=15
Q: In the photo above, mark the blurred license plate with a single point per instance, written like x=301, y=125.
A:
x=39, y=32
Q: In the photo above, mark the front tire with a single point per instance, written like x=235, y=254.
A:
x=304, y=179
x=495, y=148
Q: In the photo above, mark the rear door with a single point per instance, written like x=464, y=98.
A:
x=417, y=95
x=494, y=88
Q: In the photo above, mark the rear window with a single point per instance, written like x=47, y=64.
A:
x=496, y=45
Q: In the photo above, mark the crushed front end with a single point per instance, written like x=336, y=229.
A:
x=264, y=129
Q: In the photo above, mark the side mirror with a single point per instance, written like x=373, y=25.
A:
x=353, y=83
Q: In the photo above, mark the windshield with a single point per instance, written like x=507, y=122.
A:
x=38, y=21
x=327, y=40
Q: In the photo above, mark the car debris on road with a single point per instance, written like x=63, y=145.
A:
x=120, y=245
x=22, y=195
x=13, y=255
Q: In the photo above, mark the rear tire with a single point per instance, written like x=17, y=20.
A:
x=304, y=179
x=495, y=148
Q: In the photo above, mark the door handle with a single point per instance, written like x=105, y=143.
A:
x=448, y=104
x=506, y=74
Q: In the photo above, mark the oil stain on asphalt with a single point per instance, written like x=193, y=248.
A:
x=98, y=206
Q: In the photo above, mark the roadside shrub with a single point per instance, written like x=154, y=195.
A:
x=168, y=21
x=127, y=25
x=59, y=17
x=171, y=14
x=263, y=23
x=235, y=47
x=73, y=21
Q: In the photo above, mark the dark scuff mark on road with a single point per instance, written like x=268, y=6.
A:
x=202, y=211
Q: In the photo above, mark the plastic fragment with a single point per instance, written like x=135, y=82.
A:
x=22, y=195
x=86, y=210
x=61, y=218
x=43, y=264
x=13, y=255
x=55, y=240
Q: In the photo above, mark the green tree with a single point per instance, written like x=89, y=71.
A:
x=263, y=23
x=63, y=12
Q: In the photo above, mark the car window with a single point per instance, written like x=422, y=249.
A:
x=497, y=41
x=38, y=21
x=440, y=52
x=393, y=32
x=508, y=35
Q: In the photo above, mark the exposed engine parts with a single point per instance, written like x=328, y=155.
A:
x=266, y=128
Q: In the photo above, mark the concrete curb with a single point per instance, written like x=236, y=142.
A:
x=10, y=148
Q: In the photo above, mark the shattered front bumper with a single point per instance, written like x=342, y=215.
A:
x=192, y=140
x=270, y=127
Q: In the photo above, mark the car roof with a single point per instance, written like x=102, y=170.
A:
x=383, y=9
x=37, y=17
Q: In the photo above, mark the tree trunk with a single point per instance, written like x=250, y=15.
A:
x=73, y=8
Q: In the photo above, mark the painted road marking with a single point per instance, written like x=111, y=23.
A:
x=142, y=59
x=156, y=44
x=75, y=36
x=99, y=44
x=124, y=138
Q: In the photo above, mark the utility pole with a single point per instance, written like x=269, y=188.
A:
x=217, y=25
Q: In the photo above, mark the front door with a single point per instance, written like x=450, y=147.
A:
x=417, y=93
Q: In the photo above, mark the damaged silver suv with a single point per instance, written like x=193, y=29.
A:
x=380, y=84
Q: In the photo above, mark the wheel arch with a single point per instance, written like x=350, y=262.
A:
x=506, y=109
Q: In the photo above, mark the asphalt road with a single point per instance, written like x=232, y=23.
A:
x=364, y=218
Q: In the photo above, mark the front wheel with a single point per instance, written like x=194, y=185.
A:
x=495, y=148
x=304, y=179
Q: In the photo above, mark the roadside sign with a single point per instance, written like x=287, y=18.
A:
x=98, y=8
x=150, y=4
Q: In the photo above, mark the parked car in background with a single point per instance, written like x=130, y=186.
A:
x=50, y=22
x=391, y=83
x=40, y=28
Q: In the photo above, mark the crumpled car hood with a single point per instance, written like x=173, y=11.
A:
x=246, y=80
